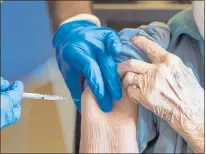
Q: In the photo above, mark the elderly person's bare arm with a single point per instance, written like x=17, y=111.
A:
x=113, y=132
x=169, y=89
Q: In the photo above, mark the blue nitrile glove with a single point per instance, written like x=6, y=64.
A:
x=84, y=49
x=10, y=102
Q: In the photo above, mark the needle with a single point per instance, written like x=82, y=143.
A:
x=45, y=97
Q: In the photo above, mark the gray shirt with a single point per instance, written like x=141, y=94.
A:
x=182, y=38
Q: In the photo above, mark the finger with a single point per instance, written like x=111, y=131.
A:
x=106, y=103
x=11, y=115
x=17, y=112
x=108, y=69
x=7, y=117
x=16, y=91
x=131, y=79
x=135, y=94
x=107, y=41
x=113, y=44
x=155, y=53
x=110, y=76
x=74, y=81
x=4, y=84
x=83, y=63
x=128, y=79
x=135, y=66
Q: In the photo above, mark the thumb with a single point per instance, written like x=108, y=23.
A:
x=113, y=44
x=155, y=53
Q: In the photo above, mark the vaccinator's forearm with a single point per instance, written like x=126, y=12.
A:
x=61, y=10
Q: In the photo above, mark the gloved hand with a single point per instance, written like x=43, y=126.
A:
x=10, y=102
x=84, y=49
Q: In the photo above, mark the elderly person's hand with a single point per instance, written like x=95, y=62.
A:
x=112, y=132
x=169, y=89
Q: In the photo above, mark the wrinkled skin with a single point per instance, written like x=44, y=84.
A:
x=84, y=51
x=167, y=88
x=113, y=132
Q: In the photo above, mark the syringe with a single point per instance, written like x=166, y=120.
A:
x=45, y=97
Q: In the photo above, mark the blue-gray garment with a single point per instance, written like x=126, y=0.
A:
x=182, y=38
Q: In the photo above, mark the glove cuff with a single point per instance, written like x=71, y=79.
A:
x=87, y=17
x=78, y=20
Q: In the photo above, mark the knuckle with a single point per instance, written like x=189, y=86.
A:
x=162, y=71
x=190, y=70
x=148, y=49
x=174, y=60
x=131, y=62
x=126, y=79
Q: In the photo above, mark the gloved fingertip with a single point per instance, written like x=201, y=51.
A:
x=78, y=105
x=106, y=104
x=117, y=95
x=107, y=107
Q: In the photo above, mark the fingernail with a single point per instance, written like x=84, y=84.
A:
x=134, y=87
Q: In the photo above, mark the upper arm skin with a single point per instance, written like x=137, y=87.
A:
x=108, y=132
